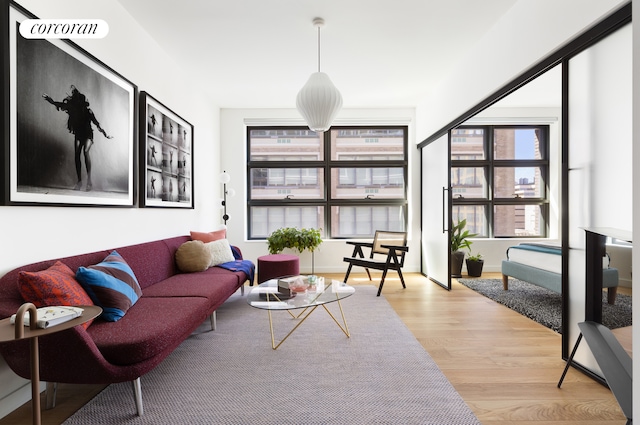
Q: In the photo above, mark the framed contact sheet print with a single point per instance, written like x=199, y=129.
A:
x=166, y=156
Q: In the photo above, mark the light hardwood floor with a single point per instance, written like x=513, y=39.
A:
x=504, y=365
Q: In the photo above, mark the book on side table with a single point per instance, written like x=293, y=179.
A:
x=52, y=315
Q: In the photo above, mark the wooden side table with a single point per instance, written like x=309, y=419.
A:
x=10, y=332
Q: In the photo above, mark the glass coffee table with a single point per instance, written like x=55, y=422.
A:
x=266, y=296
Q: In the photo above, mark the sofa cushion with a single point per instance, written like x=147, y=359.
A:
x=56, y=285
x=220, y=251
x=152, y=326
x=193, y=256
x=207, y=284
x=112, y=285
x=209, y=236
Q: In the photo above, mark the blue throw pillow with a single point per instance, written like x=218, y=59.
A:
x=111, y=285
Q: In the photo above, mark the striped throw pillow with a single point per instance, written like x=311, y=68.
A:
x=111, y=285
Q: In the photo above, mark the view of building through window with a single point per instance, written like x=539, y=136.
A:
x=348, y=181
x=498, y=179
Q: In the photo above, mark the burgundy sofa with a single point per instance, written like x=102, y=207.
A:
x=172, y=306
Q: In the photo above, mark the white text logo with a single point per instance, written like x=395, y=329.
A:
x=64, y=28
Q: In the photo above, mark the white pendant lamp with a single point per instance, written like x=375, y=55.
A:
x=319, y=101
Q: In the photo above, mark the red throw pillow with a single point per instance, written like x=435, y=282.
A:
x=209, y=236
x=56, y=285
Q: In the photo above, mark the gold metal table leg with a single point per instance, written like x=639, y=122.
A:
x=343, y=327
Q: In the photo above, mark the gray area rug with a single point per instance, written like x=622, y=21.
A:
x=381, y=375
x=544, y=306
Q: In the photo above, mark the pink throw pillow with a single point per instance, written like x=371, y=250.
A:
x=209, y=236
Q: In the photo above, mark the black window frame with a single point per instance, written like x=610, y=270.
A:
x=489, y=164
x=328, y=164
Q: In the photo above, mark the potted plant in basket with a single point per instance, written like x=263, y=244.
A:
x=474, y=265
x=459, y=241
x=294, y=238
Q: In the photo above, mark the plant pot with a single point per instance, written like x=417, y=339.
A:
x=474, y=267
x=457, y=259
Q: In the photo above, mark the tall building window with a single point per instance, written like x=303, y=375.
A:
x=499, y=178
x=348, y=181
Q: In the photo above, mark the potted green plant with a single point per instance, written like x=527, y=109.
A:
x=459, y=241
x=474, y=265
x=296, y=239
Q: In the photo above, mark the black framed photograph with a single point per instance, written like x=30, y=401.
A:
x=166, y=156
x=70, y=127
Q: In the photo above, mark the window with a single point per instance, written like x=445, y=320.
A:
x=499, y=179
x=348, y=181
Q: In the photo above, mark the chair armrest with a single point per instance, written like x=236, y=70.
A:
x=396, y=247
x=365, y=244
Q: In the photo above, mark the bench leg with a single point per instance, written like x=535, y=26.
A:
x=137, y=393
x=505, y=282
x=52, y=389
x=611, y=294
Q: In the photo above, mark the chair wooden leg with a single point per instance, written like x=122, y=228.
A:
x=346, y=276
x=368, y=273
x=384, y=274
x=401, y=279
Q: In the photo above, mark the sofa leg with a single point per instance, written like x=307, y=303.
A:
x=242, y=290
x=137, y=393
x=505, y=282
x=52, y=388
x=213, y=320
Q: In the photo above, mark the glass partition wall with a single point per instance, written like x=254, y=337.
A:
x=599, y=172
x=595, y=172
x=436, y=211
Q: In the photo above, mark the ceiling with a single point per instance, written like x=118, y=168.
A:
x=259, y=53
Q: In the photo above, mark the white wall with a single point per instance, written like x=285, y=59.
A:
x=528, y=32
x=233, y=154
x=37, y=233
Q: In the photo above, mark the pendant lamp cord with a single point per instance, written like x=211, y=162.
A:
x=318, y=48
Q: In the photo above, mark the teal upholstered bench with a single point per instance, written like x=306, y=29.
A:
x=550, y=280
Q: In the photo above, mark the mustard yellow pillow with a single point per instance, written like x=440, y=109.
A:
x=193, y=256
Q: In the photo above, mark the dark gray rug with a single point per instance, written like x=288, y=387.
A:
x=544, y=306
x=381, y=375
